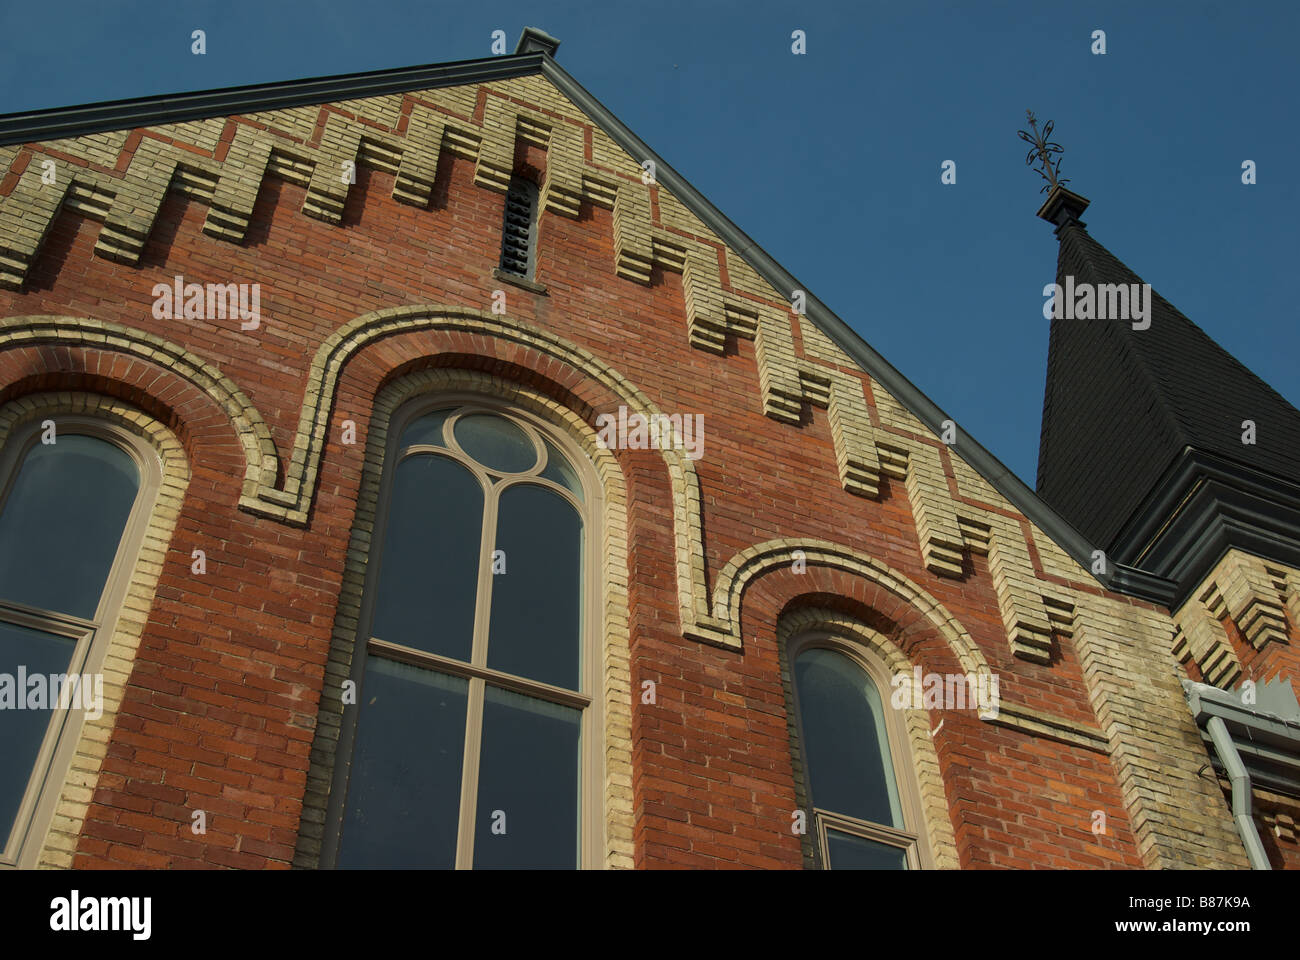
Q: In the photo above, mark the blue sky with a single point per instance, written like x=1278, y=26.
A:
x=832, y=160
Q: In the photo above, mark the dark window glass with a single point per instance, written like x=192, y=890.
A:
x=62, y=523
x=845, y=747
x=426, y=430
x=22, y=730
x=536, y=622
x=403, y=800
x=495, y=442
x=849, y=852
x=528, y=772
x=560, y=471
x=428, y=577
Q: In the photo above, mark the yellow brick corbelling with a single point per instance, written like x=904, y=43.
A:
x=441, y=119
x=496, y=157
x=925, y=760
x=1289, y=581
x=1257, y=595
x=60, y=841
x=231, y=186
x=1200, y=636
x=280, y=144
x=418, y=167
x=138, y=195
x=933, y=510
x=1241, y=587
x=945, y=526
x=327, y=191
x=616, y=696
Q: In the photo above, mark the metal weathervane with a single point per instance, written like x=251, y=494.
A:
x=1042, y=152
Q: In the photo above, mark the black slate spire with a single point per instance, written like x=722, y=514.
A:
x=1140, y=413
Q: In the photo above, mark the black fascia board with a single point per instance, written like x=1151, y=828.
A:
x=1138, y=536
x=54, y=124
x=37, y=125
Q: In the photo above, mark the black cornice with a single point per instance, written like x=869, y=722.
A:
x=1203, y=506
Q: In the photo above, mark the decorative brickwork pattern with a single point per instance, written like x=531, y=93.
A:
x=1287, y=582
x=753, y=562
x=314, y=146
x=1240, y=587
x=259, y=449
x=1200, y=637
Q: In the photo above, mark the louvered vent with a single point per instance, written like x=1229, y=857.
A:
x=518, y=234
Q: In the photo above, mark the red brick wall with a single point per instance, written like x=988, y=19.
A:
x=220, y=707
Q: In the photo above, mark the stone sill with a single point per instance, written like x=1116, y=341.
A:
x=515, y=280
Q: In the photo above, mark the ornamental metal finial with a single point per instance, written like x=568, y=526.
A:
x=1042, y=152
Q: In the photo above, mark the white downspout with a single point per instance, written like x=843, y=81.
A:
x=1241, y=793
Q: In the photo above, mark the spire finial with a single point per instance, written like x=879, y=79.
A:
x=1042, y=151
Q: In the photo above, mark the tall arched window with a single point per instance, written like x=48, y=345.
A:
x=865, y=814
x=74, y=496
x=473, y=742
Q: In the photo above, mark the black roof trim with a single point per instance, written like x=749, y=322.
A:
x=62, y=122
x=150, y=111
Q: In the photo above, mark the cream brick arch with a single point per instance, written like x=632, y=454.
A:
x=250, y=428
x=292, y=503
x=751, y=563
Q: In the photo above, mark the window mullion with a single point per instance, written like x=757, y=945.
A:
x=483, y=603
x=469, y=776
x=478, y=657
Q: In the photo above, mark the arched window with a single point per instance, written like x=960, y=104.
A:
x=857, y=781
x=473, y=742
x=74, y=496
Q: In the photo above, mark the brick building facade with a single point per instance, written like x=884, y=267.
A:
x=833, y=525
